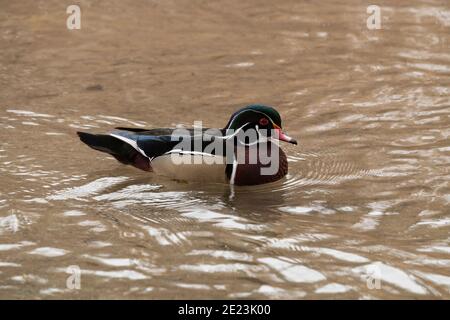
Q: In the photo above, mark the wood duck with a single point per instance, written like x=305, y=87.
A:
x=235, y=157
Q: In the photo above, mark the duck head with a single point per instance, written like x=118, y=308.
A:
x=259, y=117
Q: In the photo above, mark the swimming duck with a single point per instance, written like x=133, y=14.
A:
x=245, y=152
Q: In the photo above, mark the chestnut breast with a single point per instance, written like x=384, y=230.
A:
x=264, y=163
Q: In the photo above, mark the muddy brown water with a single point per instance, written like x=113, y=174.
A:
x=363, y=212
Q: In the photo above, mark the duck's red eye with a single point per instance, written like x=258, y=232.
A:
x=263, y=121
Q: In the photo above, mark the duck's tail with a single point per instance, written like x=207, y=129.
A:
x=119, y=149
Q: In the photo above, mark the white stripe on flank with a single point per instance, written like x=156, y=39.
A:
x=231, y=197
x=233, y=172
x=130, y=142
x=190, y=152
